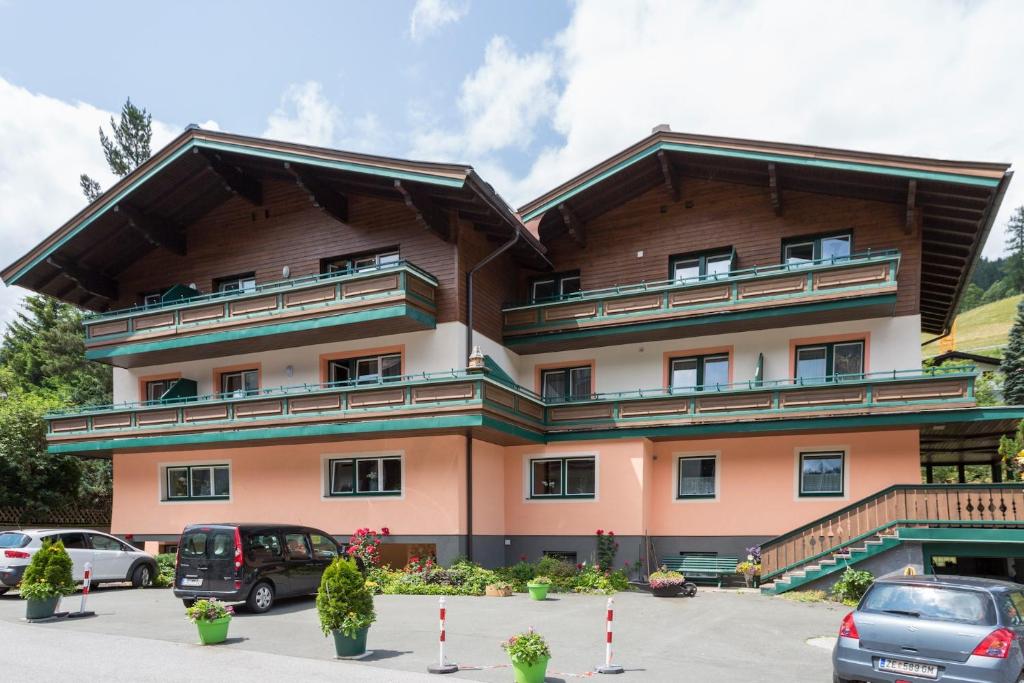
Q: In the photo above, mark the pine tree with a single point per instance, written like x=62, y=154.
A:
x=1015, y=247
x=1012, y=365
x=128, y=147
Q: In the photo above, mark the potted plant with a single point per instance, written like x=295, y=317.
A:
x=211, y=618
x=345, y=605
x=538, y=587
x=665, y=584
x=529, y=654
x=498, y=589
x=47, y=578
x=751, y=572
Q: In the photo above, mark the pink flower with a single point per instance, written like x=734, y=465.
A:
x=386, y=531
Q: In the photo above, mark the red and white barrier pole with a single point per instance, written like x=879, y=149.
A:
x=86, y=582
x=608, y=667
x=442, y=667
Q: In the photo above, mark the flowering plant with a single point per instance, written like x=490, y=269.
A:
x=607, y=547
x=209, y=610
x=545, y=580
x=754, y=554
x=365, y=544
x=749, y=568
x=665, y=579
x=418, y=565
x=527, y=648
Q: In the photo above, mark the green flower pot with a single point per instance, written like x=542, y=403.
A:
x=526, y=673
x=350, y=647
x=41, y=609
x=213, y=632
x=538, y=591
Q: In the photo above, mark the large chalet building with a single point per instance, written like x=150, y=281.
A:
x=701, y=343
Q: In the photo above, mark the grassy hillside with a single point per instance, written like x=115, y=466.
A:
x=981, y=330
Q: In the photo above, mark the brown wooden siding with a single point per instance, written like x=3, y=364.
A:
x=493, y=286
x=728, y=215
x=234, y=238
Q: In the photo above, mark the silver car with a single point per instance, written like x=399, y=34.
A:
x=954, y=629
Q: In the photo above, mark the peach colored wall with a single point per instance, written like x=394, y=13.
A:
x=283, y=483
x=618, y=506
x=757, y=481
x=488, y=488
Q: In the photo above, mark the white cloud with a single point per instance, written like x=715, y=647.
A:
x=428, y=16
x=304, y=115
x=45, y=144
x=929, y=78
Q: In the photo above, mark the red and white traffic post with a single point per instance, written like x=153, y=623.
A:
x=608, y=667
x=442, y=667
x=86, y=582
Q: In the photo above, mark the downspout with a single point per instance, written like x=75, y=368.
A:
x=469, y=348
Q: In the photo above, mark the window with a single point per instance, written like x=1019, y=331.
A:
x=264, y=546
x=931, y=603
x=804, y=250
x=554, y=287
x=298, y=547
x=156, y=389
x=566, y=384
x=365, y=476
x=238, y=384
x=830, y=362
x=152, y=298
x=563, y=477
x=100, y=542
x=562, y=555
x=324, y=548
x=356, y=262
x=697, y=477
x=187, y=482
x=365, y=369
x=74, y=541
x=821, y=474
x=699, y=372
x=246, y=282
x=702, y=266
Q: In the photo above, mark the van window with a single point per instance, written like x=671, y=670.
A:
x=213, y=545
x=265, y=546
x=936, y=603
x=323, y=548
x=298, y=549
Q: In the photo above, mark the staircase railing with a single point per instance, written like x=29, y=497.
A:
x=930, y=504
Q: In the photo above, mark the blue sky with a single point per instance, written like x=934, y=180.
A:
x=529, y=92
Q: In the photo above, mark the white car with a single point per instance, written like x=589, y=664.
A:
x=112, y=559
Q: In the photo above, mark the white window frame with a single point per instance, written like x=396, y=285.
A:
x=679, y=477
x=673, y=487
x=239, y=393
x=815, y=449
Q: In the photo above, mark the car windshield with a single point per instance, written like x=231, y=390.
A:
x=938, y=603
x=11, y=539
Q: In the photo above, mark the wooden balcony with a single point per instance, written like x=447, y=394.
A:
x=457, y=401
x=296, y=312
x=860, y=286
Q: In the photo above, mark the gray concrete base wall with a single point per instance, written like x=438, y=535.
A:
x=892, y=561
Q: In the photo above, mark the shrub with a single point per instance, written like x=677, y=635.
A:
x=852, y=585
x=364, y=546
x=665, y=579
x=527, y=648
x=518, y=574
x=607, y=547
x=541, y=580
x=208, y=610
x=48, y=574
x=343, y=602
x=591, y=579
x=165, y=570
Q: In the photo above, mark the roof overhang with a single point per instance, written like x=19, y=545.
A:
x=953, y=203
x=150, y=207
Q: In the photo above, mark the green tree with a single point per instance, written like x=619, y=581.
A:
x=971, y=298
x=1012, y=366
x=1015, y=247
x=128, y=146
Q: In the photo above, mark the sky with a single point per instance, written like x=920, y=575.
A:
x=530, y=92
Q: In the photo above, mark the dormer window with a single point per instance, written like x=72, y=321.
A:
x=806, y=250
x=701, y=266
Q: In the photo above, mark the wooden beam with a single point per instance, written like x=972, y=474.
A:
x=573, y=225
x=426, y=212
x=328, y=200
x=773, y=188
x=671, y=178
x=90, y=281
x=913, y=211
x=235, y=180
x=157, y=231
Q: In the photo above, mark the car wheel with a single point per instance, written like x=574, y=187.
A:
x=689, y=589
x=142, y=577
x=837, y=679
x=261, y=598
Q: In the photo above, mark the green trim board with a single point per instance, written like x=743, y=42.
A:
x=710, y=150
x=197, y=143
x=385, y=313
x=624, y=327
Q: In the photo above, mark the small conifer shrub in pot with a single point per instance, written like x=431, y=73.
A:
x=529, y=654
x=47, y=578
x=345, y=605
x=211, y=618
x=538, y=587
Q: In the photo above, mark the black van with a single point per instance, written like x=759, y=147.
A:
x=251, y=563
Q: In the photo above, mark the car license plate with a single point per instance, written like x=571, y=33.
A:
x=191, y=582
x=898, y=666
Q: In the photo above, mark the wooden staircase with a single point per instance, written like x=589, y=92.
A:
x=872, y=526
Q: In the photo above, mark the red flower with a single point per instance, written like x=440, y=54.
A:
x=522, y=558
x=579, y=565
x=611, y=533
x=386, y=531
x=600, y=532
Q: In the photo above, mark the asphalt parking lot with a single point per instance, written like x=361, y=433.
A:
x=717, y=637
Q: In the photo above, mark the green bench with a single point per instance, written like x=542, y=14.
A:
x=698, y=568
